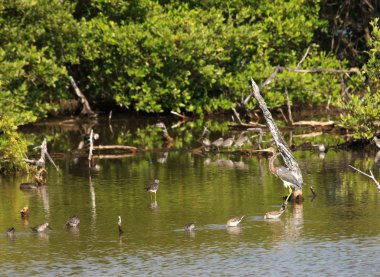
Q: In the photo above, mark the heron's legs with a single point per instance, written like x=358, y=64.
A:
x=155, y=194
x=290, y=193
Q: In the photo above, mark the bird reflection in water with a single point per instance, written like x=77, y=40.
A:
x=234, y=230
x=154, y=205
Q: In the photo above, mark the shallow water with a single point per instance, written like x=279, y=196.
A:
x=337, y=233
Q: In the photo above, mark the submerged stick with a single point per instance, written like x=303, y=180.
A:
x=369, y=176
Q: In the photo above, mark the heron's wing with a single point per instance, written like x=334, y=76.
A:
x=286, y=175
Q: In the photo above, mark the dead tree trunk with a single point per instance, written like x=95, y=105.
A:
x=86, y=110
x=283, y=148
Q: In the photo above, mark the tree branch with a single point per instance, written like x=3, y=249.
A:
x=369, y=176
x=86, y=110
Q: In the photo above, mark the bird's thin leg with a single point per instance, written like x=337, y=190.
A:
x=155, y=195
x=150, y=197
x=290, y=193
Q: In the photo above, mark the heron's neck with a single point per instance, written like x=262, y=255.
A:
x=272, y=168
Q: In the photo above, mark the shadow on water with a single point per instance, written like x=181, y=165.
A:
x=205, y=187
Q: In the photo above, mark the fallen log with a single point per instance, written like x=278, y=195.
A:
x=117, y=147
x=314, y=123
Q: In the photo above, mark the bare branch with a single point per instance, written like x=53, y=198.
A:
x=237, y=115
x=304, y=57
x=369, y=176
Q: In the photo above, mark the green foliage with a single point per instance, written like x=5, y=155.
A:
x=12, y=146
x=363, y=109
x=196, y=58
x=156, y=56
x=38, y=39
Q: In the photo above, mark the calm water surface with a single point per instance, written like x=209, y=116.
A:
x=335, y=234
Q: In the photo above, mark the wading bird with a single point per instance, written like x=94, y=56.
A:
x=153, y=187
x=190, y=227
x=275, y=214
x=321, y=147
x=228, y=142
x=242, y=139
x=11, y=231
x=285, y=174
x=165, y=132
x=41, y=228
x=119, y=225
x=205, y=141
x=73, y=221
x=218, y=142
x=233, y=222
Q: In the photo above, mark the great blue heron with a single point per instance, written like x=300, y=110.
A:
x=233, y=222
x=153, y=187
x=73, y=221
x=285, y=174
x=275, y=214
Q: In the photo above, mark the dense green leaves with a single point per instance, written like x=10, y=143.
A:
x=188, y=56
x=362, y=109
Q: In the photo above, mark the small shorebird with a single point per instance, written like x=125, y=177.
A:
x=11, y=231
x=41, y=228
x=190, y=227
x=218, y=142
x=275, y=214
x=119, y=225
x=73, y=221
x=321, y=147
x=165, y=132
x=24, y=212
x=241, y=140
x=233, y=222
x=228, y=142
x=206, y=143
x=153, y=187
